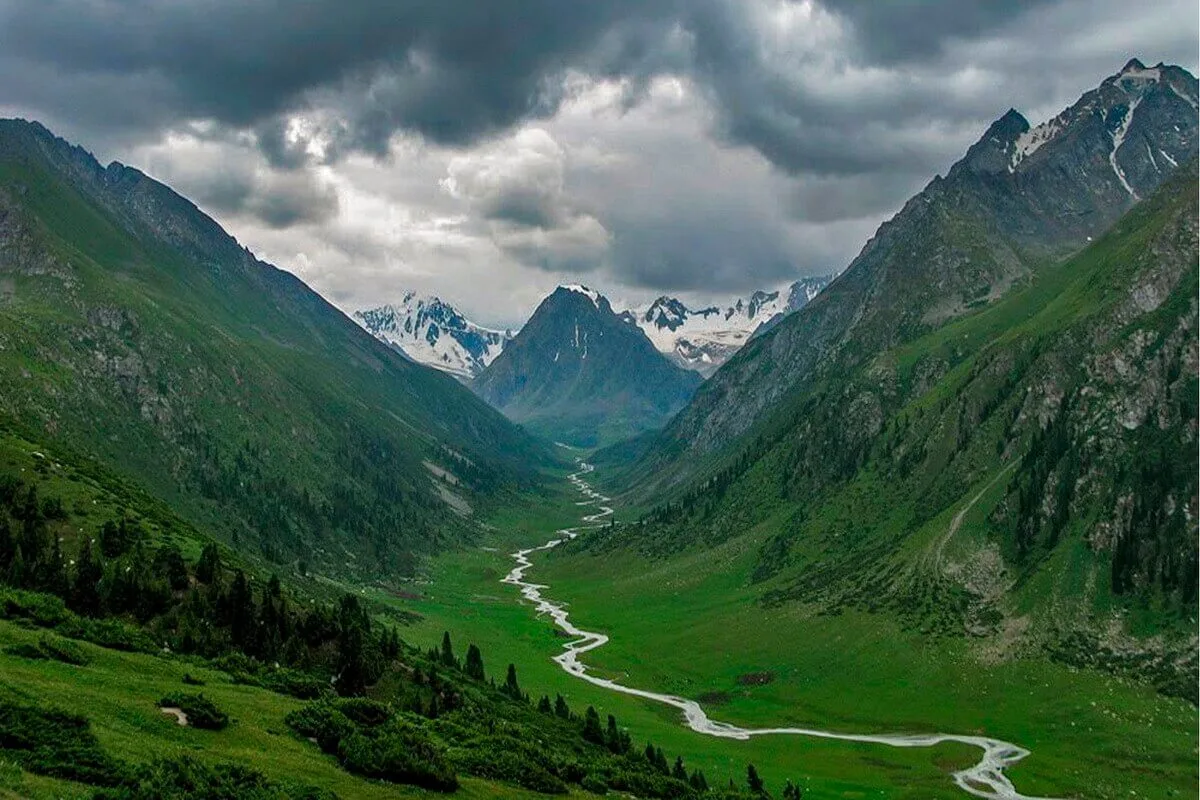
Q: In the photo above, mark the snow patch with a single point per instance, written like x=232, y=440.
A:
x=1032, y=140
x=1118, y=138
x=590, y=294
x=1191, y=101
x=432, y=332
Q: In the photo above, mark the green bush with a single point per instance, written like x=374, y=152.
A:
x=63, y=650
x=594, y=784
x=201, y=712
x=399, y=754
x=361, y=711
x=186, y=778
x=58, y=744
x=25, y=650
x=508, y=766
x=371, y=741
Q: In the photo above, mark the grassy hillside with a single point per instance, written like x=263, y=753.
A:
x=113, y=608
x=134, y=331
x=1027, y=468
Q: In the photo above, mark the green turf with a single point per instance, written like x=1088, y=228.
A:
x=119, y=693
x=691, y=626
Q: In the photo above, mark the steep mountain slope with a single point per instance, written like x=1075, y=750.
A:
x=1025, y=475
x=135, y=331
x=432, y=332
x=800, y=294
x=704, y=339
x=578, y=373
x=1020, y=199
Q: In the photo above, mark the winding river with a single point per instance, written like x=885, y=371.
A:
x=984, y=779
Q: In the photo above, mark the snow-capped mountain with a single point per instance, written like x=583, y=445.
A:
x=577, y=373
x=432, y=332
x=703, y=339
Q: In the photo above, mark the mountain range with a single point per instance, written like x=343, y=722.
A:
x=134, y=329
x=432, y=332
x=703, y=339
x=1018, y=341
x=578, y=373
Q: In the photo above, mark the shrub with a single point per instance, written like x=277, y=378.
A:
x=192, y=681
x=55, y=743
x=362, y=711
x=594, y=784
x=400, y=754
x=508, y=766
x=63, y=650
x=25, y=650
x=201, y=712
x=187, y=778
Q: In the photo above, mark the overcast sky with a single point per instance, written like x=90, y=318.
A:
x=489, y=150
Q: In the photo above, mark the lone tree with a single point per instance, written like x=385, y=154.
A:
x=511, y=687
x=474, y=663
x=591, y=726
x=561, y=709
x=447, y=657
x=754, y=781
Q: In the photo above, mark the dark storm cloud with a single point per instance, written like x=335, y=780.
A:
x=434, y=67
x=798, y=128
x=915, y=30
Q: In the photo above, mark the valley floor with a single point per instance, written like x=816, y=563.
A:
x=691, y=626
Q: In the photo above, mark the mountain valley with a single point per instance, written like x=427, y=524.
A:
x=925, y=527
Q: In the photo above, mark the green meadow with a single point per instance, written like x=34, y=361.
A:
x=691, y=625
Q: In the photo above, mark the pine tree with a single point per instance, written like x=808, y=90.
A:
x=698, y=782
x=208, y=568
x=660, y=761
x=8, y=544
x=561, y=709
x=591, y=726
x=511, y=688
x=474, y=666
x=792, y=792
x=612, y=736
x=16, y=569
x=169, y=565
x=434, y=711
x=754, y=781
x=544, y=706
x=353, y=668
x=678, y=771
x=54, y=572
x=85, y=592
x=241, y=610
x=447, y=656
